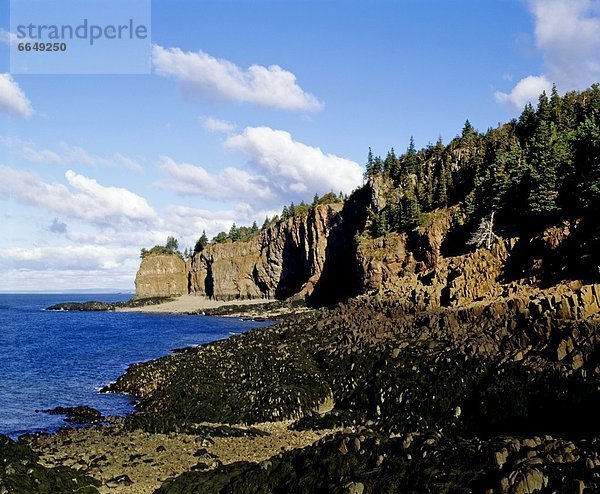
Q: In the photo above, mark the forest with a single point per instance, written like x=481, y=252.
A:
x=529, y=172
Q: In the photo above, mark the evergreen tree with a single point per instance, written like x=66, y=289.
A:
x=412, y=213
x=234, y=233
x=411, y=161
x=172, y=245
x=369, y=168
x=265, y=224
x=544, y=111
x=467, y=131
x=285, y=213
x=254, y=228
x=527, y=123
x=377, y=166
x=201, y=243
x=587, y=163
x=556, y=107
x=220, y=238
x=441, y=198
x=542, y=160
x=316, y=197
x=292, y=210
x=389, y=164
x=380, y=223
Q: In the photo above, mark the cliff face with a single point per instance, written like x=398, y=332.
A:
x=225, y=271
x=161, y=276
x=287, y=259
x=326, y=257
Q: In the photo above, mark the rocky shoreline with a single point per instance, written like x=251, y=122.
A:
x=366, y=397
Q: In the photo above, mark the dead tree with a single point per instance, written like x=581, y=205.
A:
x=484, y=235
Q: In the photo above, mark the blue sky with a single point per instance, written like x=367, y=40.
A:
x=250, y=105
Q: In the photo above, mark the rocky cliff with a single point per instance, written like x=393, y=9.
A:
x=289, y=258
x=161, y=276
x=329, y=255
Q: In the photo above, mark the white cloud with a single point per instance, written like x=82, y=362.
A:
x=567, y=33
x=190, y=222
x=200, y=73
x=217, y=125
x=68, y=155
x=7, y=37
x=67, y=257
x=526, y=91
x=85, y=199
x=279, y=170
x=74, y=155
x=294, y=168
x=229, y=184
x=13, y=100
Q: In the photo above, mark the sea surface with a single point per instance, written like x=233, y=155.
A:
x=54, y=358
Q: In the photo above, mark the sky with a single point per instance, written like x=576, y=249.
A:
x=251, y=105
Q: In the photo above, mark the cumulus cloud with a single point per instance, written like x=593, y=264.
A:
x=84, y=199
x=526, y=91
x=189, y=222
x=567, y=33
x=13, y=100
x=278, y=170
x=201, y=73
x=229, y=184
x=68, y=155
x=294, y=168
x=217, y=125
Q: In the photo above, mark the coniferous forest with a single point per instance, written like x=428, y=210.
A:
x=529, y=172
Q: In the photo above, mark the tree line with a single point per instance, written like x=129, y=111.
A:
x=529, y=172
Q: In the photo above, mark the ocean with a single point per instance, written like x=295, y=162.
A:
x=54, y=358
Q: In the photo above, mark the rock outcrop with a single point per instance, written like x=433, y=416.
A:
x=327, y=256
x=161, y=276
x=286, y=259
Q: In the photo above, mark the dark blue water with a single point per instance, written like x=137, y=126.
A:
x=50, y=359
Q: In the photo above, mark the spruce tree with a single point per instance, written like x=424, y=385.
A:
x=587, y=164
x=234, y=233
x=201, y=243
x=543, y=192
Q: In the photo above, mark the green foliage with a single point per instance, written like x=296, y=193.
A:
x=219, y=238
x=201, y=243
x=587, y=159
x=171, y=247
x=241, y=233
x=530, y=171
x=234, y=233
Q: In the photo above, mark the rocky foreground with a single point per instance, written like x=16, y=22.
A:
x=500, y=395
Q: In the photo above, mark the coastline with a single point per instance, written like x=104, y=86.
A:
x=186, y=304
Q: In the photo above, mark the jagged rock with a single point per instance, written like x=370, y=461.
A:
x=532, y=480
x=120, y=480
x=78, y=415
